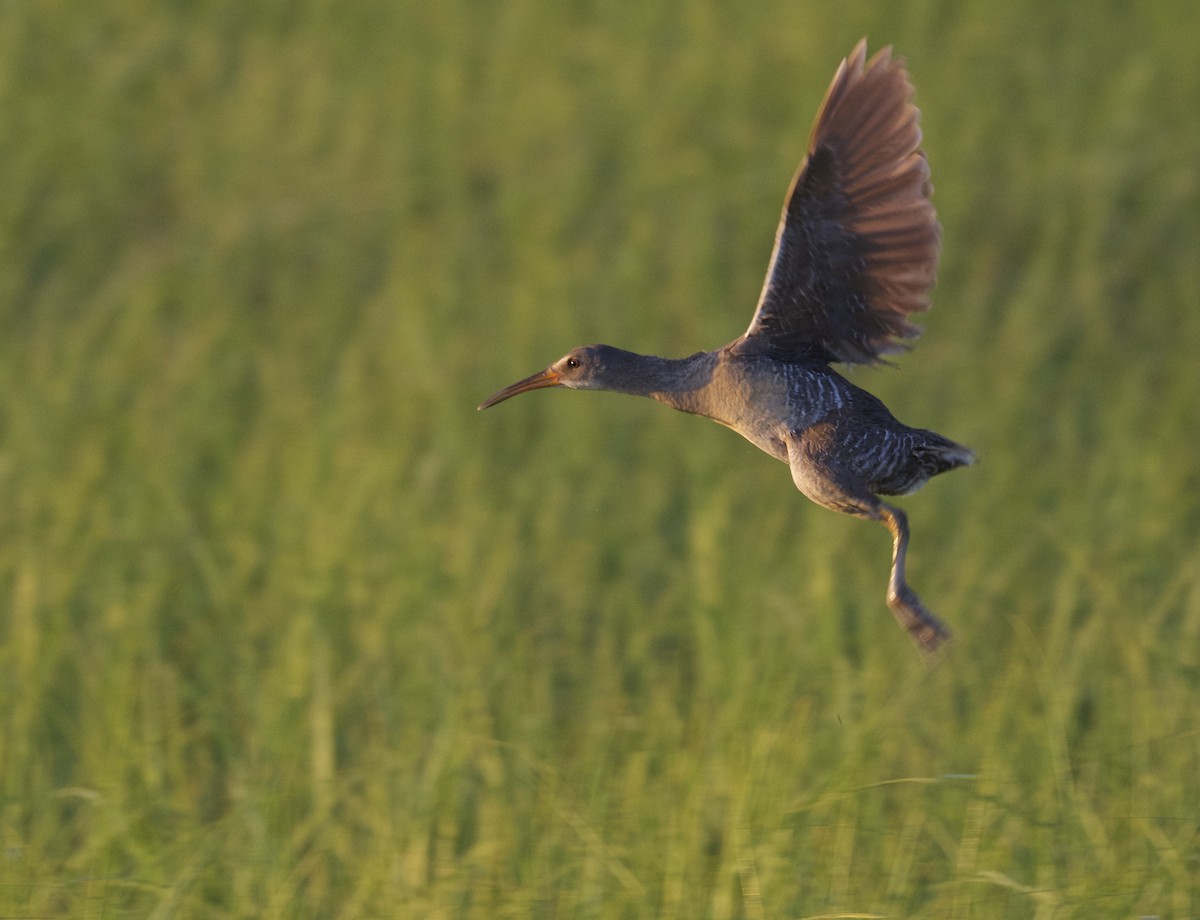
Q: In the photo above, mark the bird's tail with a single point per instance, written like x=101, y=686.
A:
x=938, y=454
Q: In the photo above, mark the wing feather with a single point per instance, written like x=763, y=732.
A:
x=857, y=246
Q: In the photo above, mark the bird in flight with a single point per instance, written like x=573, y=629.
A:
x=855, y=255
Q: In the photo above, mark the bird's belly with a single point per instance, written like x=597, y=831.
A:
x=768, y=442
x=765, y=401
x=762, y=430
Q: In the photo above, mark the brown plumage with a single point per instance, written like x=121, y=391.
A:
x=855, y=254
x=857, y=246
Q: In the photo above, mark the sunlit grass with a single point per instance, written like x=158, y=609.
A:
x=288, y=629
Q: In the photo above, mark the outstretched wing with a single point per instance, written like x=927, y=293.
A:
x=856, y=251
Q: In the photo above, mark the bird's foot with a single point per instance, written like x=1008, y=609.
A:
x=925, y=629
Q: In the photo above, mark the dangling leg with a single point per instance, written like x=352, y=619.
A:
x=926, y=630
x=833, y=486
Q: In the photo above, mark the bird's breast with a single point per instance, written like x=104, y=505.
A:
x=753, y=398
x=761, y=399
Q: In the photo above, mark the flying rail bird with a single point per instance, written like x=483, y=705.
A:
x=855, y=253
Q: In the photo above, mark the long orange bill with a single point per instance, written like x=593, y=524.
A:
x=547, y=378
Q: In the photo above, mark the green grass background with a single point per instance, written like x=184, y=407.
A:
x=287, y=629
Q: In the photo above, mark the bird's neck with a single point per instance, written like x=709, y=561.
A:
x=677, y=382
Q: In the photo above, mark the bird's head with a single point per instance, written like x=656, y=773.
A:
x=584, y=368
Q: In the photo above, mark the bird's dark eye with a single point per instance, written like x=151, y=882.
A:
x=572, y=362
